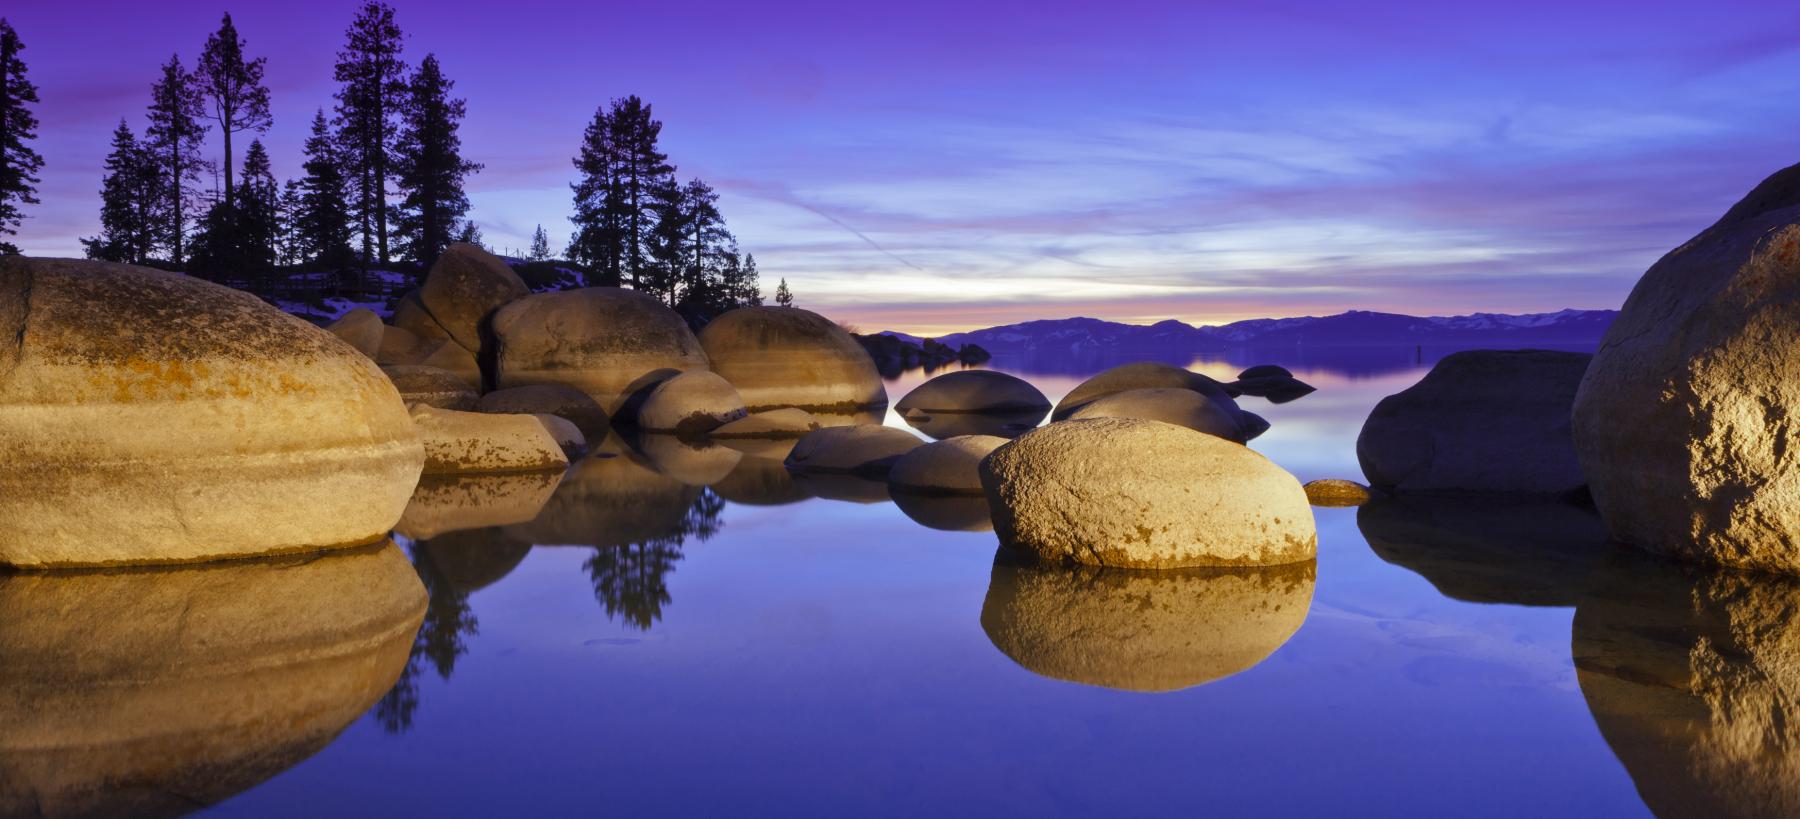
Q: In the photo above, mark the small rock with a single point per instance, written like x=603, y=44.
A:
x=551, y=399
x=567, y=435
x=1264, y=371
x=690, y=403
x=1336, y=492
x=400, y=346
x=777, y=423
x=451, y=503
x=451, y=357
x=1278, y=389
x=459, y=442
x=869, y=451
x=974, y=391
x=949, y=467
x=359, y=328
x=1140, y=375
x=410, y=315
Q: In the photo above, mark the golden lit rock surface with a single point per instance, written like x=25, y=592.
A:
x=450, y=503
x=564, y=432
x=690, y=403
x=1685, y=421
x=1170, y=405
x=419, y=384
x=1145, y=494
x=150, y=417
x=157, y=691
x=867, y=450
x=1142, y=630
x=410, y=315
x=601, y=340
x=1336, y=492
x=787, y=357
x=451, y=357
x=362, y=329
x=945, y=467
x=772, y=424
x=1140, y=375
x=400, y=346
x=553, y=399
x=458, y=442
x=464, y=288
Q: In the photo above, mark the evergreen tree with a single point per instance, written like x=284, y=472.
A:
x=323, y=220
x=131, y=195
x=471, y=235
x=174, y=138
x=19, y=164
x=287, y=241
x=234, y=88
x=369, y=103
x=746, y=289
x=783, y=296
x=644, y=178
x=540, y=245
x=430, y=165
x=625, y=183
x=598, y=240
x=236, y=243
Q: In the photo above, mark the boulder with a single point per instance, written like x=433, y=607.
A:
x=1141, y=375
x=452, y=358
x=552, y=399
x=1183, y=408
x=1278, y=389
x=401, y=347
x=867, y=451
x=161, y=691
x=452, y=503
x=1685, y=422
x=1264, y=371
x=1336, y=492
x=430, y=386
x=459, y=442
x=360, y=328
x=974, y=391
x=1251, y=425
x=1487, y=421
x=1518, y=551
x=603, y=341
x=464, y=288
x=410, y=315
x=150, y=417
x=949, y=467
x=946, y=425
x=1142, y=630
x=788, y=357
x=772, y=424
x=564, y=432
x=1145, y=494
x=690, y=403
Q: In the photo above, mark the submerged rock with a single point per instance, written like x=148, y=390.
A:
x=975, y=391
x=464, y=288
x=1685, y=421
x=950, y=467
x=949, y=425
x=1487, y=421
x=564, y=432
x=1183, y=408
x=450, y=503
x=1278, y=389
x=603, y=341
x=1142, y=630
x=1336, y=492
x=690, y=404
x=158, y=691
x=458, y=442
x=550, y=399
x=1524, y=552
x=430, y=386
x=1145, y=494
x=149, y=417
x=869, y=451
x=787, y=357
x=1265, y=371
x=360, y=328
x=769, y=424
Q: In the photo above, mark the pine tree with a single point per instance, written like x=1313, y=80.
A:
x=783, y=296
x=625, y=182
x=741, y=282
x=471, y=235
x=236, y=243
x=175, y=137
x=644, y=178
x=323, y=221
x=598, y=241
x=234, y=88
x=19, y=164
x=369, y=103
x=259, y=205
x=131, y=195
x=540, y=245
x=287, y=241
x=430, y=166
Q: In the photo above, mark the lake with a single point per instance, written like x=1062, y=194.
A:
x=645, y=647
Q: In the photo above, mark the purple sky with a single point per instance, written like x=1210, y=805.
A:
x=932, y=166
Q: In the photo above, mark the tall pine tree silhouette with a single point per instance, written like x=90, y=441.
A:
x=625, y=181
x=369, y=104
x=174, y=138
x=540, y=245
x=430, y=166
x=235, y=95
x=322, y=223
x=131, y=199
x=19, y=164
x=783, y=296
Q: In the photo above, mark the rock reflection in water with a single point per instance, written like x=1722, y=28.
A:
x=1142, y=630
x=1694, y=680
x=944, y=425
x=448, y=503
x=692, y=462
x=1480, y=550
x=160, y=691
x=609, y=500
x=840, y=487
x=950, y=513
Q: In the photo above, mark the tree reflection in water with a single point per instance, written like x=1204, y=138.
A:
x=631, y=581
x=449, y=620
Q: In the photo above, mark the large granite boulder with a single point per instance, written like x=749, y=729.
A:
x=149, y=417
x=948, y=467
x=1140, y=375
x=691, y=403
x=450, y=357
x=1142, y=630
x=1183, y=408
x=160, y=691
x=1486, y=421
x=605, y=341
x=1685, y=422
x=552, y=399
x=974, y=391
x=1145, y=494
x=788, y=357
x=362, y=329
x=399, y=346
x=431, y=386
x=692, y=461
x=410, y=315
x=464, y=288
x=868, y=451
x=461, y=442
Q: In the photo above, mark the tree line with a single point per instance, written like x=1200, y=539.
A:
x=381, y=185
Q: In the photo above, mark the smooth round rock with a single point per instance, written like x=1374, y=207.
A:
x=552, y=399
x=1145, y=494
x=1265, y=371
x=771, y=424
x=564, y=432
x=603, y=341
x=159, y=691
x=360, y=328
x=868, y=451
x=1278, y=389
x=974, y=391
x=450, y=357
x=431, y=386
x=400, y=346
x=1487, y=421
x=452, y=503
x=691, y=403
x=1183, y=408
x=1141, y=630
x=465, y=286
x=150, y=417
x=459, y=442
x=1336, y=492
x=1141, y=375
x=947, y=425
x=410, y=315
x=1685, y=424
x=945, y=467
x=470, y=560
x=788, y=357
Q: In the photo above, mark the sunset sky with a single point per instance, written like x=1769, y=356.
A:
x=936, y=166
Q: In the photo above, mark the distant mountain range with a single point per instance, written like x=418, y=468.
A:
x=1353, y=328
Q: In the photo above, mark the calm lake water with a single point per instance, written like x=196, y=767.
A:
x=646, y=648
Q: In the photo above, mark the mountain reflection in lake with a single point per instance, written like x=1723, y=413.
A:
x=671, y=629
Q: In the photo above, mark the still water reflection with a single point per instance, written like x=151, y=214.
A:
x=672, y=629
